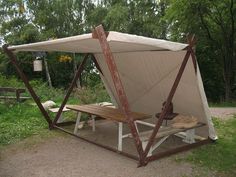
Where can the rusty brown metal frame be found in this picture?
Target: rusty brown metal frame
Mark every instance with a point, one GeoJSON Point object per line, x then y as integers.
{"type": "Point", "coordinates": [101, 35]}
{"type": "Point", "coordinates": [73, 83]}
{"type": "Point", "coordinates": [51, 123]}
{"type": "Point", "coordinates": [169, 98]}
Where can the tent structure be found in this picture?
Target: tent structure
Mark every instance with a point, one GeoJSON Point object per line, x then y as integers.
{"type": "Point", "coordinates": [139, 74]}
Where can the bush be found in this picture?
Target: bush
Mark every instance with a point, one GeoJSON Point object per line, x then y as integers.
{"type": "Point", "coordinates": [88, 95]}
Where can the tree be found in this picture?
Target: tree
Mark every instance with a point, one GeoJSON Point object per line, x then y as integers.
{"type": "Point", "coordinates": [214, 24]}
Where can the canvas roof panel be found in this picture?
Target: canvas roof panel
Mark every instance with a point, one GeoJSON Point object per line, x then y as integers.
{"type": "Point", "coordinates": [119, 42]}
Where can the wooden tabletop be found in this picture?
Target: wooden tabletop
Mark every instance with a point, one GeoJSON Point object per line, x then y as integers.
{"type": "Point", "coordinates": [107, 112]}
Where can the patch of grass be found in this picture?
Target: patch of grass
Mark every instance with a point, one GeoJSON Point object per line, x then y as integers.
{"type": "Point", "coordinates": [21, 120]}
{"type": "Point", "coordinates": [223, 104]}
{"type": "Point", "coordinates": [18, 121]}
{"type": "Point", "coordinates": [220, 156]}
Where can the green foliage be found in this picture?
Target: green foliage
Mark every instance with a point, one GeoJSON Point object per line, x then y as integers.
{"type": "Point", "coordinates": [213, 22]}
{"type": "Point", "coordinates": [221, 155]}
{"type": "Point", "coordinates": [18, 121]}
{"type": "Point", "coordinates": [95, 94]}
{"type": "Point", "coordinates": [223, 104]}
{"type": "Point", "coordinates": [21, 120]}
{"type": "Point", "coordinates": [10, 82]}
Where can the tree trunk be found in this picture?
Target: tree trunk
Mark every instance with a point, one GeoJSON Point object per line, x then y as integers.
{"type": "Point", "coordinates": [47, 73]}
{"type": "Point", "coordinates": [78, 85]}
{"type": "Point", "coordinates": [228, 92]}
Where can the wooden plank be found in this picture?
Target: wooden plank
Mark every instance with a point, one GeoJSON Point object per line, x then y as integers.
{"type": "Point", "coordinates": [14, 97]}
{"type": "Point", "coordinates": [106, 112]}
{"type": "Point", "coordinates": [165, 131]}
{"type": "Point", "coordinates": [100, 113]}
{"type": "Point", "coordinates": [136, 115]}
{"type": "Point", "coordinates": [55, 110]}
{"type": "Point", "coordinates": [11, 89]}
{"type": "Point", "coordinates": [111, 112]}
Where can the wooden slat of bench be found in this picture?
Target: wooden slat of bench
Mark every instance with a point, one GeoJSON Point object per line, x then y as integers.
{"type": "Point", "coordinates": [14, 97]}
{"type": "Point", "coordinates": [165, 131]}
{"type": "Point", "coordinates": [11, 89]}
{"type": "Point", "coordinates": [106, 112]}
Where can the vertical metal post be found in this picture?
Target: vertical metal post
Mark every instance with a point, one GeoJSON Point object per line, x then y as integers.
{"type": "Point", "coordinates": [73, 83]}
{"type": "Point", "coordinates": [100, 34]}
{"type": "Point", "coordinates": [169, 99]}
{"type": "Point", "coordinates": [13, 59]}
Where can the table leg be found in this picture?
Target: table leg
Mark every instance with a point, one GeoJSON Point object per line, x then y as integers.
{"type": "Point", "coordinates": [93, 122]}
{"type": "Point", "coordinates": [120, 134]}
{"type": "Point", "coordinates": [136, 126]}
{"type": "Point", "coordinates": [190, 136]}
{"type": "Point", "coordinates": [77, 123]}
{"type": "Point", "coordinates": [60, 120]}
{"type": "Point", "coordinates": [144, 144]}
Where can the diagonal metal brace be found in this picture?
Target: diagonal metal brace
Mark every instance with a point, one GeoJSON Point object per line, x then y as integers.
{"type": "Point", "coordinates": [13, 59]}
{"type": "Point", "coordinates": [73, 83]}
{"type": "Point", "coordinates": [168, 101]}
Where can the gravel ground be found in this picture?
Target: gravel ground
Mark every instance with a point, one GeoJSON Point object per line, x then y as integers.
{"type": "Point", "coordinates": [62, 156]}
{"type": "Point", "coordinates": [223, 113]}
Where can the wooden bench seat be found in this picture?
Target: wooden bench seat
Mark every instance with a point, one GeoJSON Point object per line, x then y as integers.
{"type": "Point", "coordinates": [16, 91]}
{"type": "Point", "coordinates": [165, 131]}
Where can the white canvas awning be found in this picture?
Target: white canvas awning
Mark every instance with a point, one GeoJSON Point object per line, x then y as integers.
{"type": "Point", "coordinates": [147, 68]}
{"type": "Point", "coordinates": [119, 42]}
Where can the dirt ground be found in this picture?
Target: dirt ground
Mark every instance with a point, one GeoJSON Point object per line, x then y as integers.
{"type": "Point", "coordinates": [62, 155]}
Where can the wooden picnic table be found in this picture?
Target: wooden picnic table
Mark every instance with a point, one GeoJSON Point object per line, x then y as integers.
{"type": "Point", "coordinates": [108, 113]}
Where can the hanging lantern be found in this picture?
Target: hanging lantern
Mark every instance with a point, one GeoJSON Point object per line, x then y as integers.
{"type": "Point", "coordinates": [38, 65]}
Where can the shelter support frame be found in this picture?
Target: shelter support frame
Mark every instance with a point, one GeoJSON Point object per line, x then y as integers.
{"type": "Point", "coordinates": [100, 34]}
{"type": "Point", "coordinates": [143, 157]}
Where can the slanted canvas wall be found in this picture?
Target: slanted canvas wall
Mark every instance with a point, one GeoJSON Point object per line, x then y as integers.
{"type": "Point", "coordinates": [147, 78]}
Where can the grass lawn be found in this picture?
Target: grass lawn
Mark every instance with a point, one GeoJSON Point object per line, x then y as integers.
{"type": "Point", "coordinates": [223, 104]}
{"type": "Point", "coordinates": [18, 121]}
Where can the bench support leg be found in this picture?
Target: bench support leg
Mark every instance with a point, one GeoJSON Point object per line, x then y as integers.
{"type": "Point", "coordinates": [190, 136]}
{"type": "Point", "coordinates": [77, 123]}
{"type": "Point", "coordinates": [93, 122]}
{"type": "Point", "coordinates": [144, 144]}
{"type": "Point", "coordinates": [60, 120]}
{"type": "Point", "coordinates": [120, 134]}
